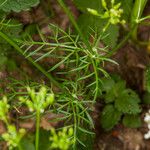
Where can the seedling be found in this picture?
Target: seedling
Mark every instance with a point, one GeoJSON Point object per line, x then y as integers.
{"type": "Point", "coordinates": [120, 101]}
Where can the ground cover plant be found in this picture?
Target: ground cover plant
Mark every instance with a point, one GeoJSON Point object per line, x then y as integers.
{"type": "Point", "coordinates": [74, 74]}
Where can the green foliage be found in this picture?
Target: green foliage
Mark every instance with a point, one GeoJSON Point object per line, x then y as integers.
{"type": "Point", "coordinates": [111, 36]}
{"type": "Point", "coordinates": [4, 108]}
{"type": "Point", "coordinates": [88, 22]}
{"type": "Point", "coordinates": [26, 144]}
{"type": "Point", "coordinates": [127, 102]}
{"type": "Point", "coordinates": [73, 108]}
{"type": "Point", "coordinates": [78, 67]}
{"type": "Point", "coordinates": [84, 4]}
{"type": "Point", "coordinates": [110, 117]}
{"type": "Point", "coordinates": [132, 121]}
{"type": "Point", "coordinates": [13, 29]}
{"type": "Point", "coordinates": [39, 102]}
{"type": "Point", "coordinates": [74, 105]}
{"type": "Point", "coordinates": [127, 6]}
{"type": "Point", "coordinates": [119, 101]}
{"type": "Point", "coordinates": [17, 5]}
{"type": "Point", "coordinates": [76, 58]}
{"type": "Point", "coordinates": [44, 140]}
{"type": "Point", "coordinates": [113, 14]}
{"type": "Point", "coordinates": [61, 140]}
{"type": "Point", "coordinates": [11, 136]}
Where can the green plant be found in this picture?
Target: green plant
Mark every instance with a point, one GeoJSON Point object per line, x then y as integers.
{"type": "Point", "coordinates": [74, 106]}
{"type": "Point", "coordinates": [17, 6]}
{"type": "Point", "coordinates": [97, 23]}
{"type": "Point", "coordinates": [13, 28]}
{"type": "Point", "coordinates": [61, 140]}
{"type": "Point", "coordinates": [113, 14]}
{"type": "Point", "coordinates": [136, 15]}
{"type": "Point", "coordinates": [11, 136]}
{"type": "Point", "coordinates": [77, 70]}
{"type": "Point", "coordinates": [76, 58]}
{"type": "Point", "coordinates": [120, 101]}
{"type": "Point", "coordinates": [38, 102]}
{"type": "Point", "coordinates": [4, 107]}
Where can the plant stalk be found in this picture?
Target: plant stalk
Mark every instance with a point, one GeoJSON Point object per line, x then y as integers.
{"type": "Point", "coordinates": [136, 14]}
{"type": "Point", "coordinates": [37, 130]}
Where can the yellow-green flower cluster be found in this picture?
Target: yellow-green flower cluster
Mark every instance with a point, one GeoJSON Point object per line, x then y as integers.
{"type": "Point", "coordinates": [62, 140]}
{"type": "Point", "coordinates": [38, 101]}
{"type": "Point", "coordinates": [4, 107]}
{"type": "Point", "coordinates": [13, 137]}
{"type": "Point", "coordinates": [113, 14]}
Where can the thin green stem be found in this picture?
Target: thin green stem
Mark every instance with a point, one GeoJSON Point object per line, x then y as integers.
{"type": "Point", "coordinates": [37, 130]}
{"type": "Point", "coordinates": [142, 19]}
{"type": "Point", "coordinates": [136, 14]}
{"type": "Point", "coordinates": [75, 124]}
{"type": "Point", "coordinates": [18, 49]}
{"type": "Point", "coordinates": [97, 80]}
